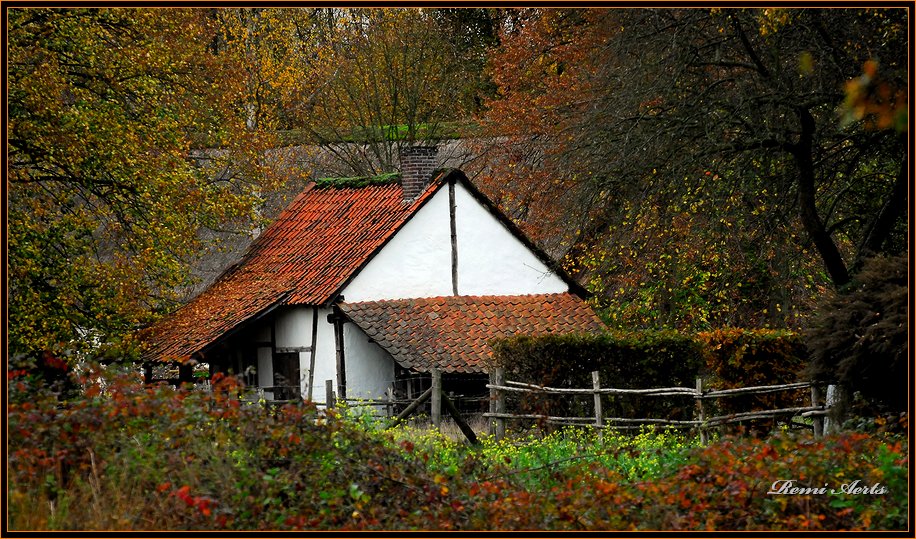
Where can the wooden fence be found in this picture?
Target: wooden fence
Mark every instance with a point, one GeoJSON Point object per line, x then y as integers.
{"type": "Point", "coordinates": [434, 394]}
{"type": "Point", "coordinates": [499, 387]}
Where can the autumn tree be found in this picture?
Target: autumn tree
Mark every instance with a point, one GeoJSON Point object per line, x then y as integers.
{"type": "Point", "coordinates": [278, 50]}
{"type": "Point", "coordinates": [695, 146]}
{"type": "Point", "coordinates": [105, 197]}
{"type": "Point", "coordinates": [388, 77]}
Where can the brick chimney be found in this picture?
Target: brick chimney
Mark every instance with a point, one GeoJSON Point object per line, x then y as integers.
{"type": "Point", "coordinates": [417, 166]}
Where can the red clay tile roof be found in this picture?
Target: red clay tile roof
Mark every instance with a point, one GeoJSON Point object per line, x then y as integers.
{"type": "Point", "coordinates": [452, 332]}
{"type": "Point", "coordinates": [305, 257]}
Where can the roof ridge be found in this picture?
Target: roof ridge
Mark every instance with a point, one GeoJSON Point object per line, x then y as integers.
{"type": "Point", "coordinates": [357, 182]}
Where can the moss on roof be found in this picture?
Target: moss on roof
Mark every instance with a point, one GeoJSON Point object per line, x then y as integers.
{"type": "Point", "coordinates": [357, 181]}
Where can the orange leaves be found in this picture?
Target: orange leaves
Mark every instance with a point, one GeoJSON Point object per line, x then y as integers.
{"type": "Point", "coordinates": [203, 504]}
{"type": "Point", "coordinates": [188, 469]}
{"type": "Point", "coordinates": [879, 102]}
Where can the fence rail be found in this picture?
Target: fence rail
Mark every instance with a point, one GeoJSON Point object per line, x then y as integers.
{"type": "Point", "coordinates": [499, 387]}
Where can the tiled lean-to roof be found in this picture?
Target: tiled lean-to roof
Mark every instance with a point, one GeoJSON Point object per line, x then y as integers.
{"type": "Point", "coordinates": [452, 332]}
{"type": "Point", "coordinates": [305, 257]}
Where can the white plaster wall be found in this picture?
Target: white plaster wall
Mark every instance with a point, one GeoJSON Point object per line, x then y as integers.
{"type": "Point", "coordinates": [491, 260]}
{"type": "Point", "coordinates": [370, 369]}
{"type": "Point", "coordinates": [416, 263]}
{"type": "Point", "coordinates": [325, 357]}
{"type": "Point", "coordinates": [265, 369]}
{"type": "Point", "coordinates": [294, 327]}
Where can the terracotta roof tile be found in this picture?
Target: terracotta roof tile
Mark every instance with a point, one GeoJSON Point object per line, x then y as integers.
{"type": "Point", "coordinates": [452, 332]}
{"type": "Point", "coordinates": [313, 248]}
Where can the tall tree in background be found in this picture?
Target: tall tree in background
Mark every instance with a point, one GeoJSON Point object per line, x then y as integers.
{"type": "Point", "coordinates": [278, 50]}
{"type": "Point", "coordinates": [105, 202]}
{"type": "Point", "coordinates": [388, 77]}
{"type": "Point", "coordinates": [702, 157]}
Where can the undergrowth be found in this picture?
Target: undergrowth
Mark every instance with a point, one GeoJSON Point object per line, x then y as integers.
{"type": "Point", "coordinates": [120, 455]}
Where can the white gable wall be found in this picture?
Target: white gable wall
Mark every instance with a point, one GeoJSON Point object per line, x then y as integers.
{"type": "Point", "coordinates": [491, 260]}
{"type": "Point", "coordinates": [417, 262]}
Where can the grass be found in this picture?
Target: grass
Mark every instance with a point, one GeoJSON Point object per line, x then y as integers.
{"type": "Point", "coordinates": [440, 131]}
{"type": "Point", "coordinates": [534, 457]}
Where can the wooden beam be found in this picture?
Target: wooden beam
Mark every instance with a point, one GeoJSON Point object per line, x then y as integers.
{"type": "Point", "coordinates": [329, 396]}
{"type": "Point", "coordinates": [413, 406]}
{"type": "Point", "coordinates": [292, 349]}
{"type": "Point", "coordinates": [312, 351]}
{"type": "Point", "coordinates": [454, 235]}
{"type": "Point", "coordinates": [462, 424]}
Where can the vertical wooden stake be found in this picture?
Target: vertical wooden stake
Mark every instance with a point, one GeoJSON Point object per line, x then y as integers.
{"type": "Point", "coordinates": [435, 411]}
{"type": "Point", "coordinates": [818, 421]}
{"type": "Point", "coordinates": [329, 393]}
{"type": "Point", "coordinates": [491, 423]}
{"type": "Point", "coordinates": [704, 439]}
{"type": "Point", "coordinates": [830, 401]}
{"type": "Point", "coordinates": [500, 407]}
{"type": "Point", "coordinates": [389, 396]}
{"type": "Point", "coordinates": [599, 417]}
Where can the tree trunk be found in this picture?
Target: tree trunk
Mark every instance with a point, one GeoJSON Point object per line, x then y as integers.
{"type": "Point", "coordinates": [802, 152]}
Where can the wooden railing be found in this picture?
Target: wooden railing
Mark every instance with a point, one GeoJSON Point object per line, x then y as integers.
{"type": "Point", "coordinates": [499, 387]}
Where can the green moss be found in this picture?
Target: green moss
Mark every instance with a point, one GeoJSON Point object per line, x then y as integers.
{"type": "Point", "coordinates": [357, 181]}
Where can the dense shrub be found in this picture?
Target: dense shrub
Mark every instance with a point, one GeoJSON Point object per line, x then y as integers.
{"type": "Point", "coordinates": [128, 457]}
{"type": "Point", "coordinates": [721, 487]}
{"type": "Point", "coordinates": [859, 337]}
{"type": "Point", "coordinates": [623, 360]}
{"type": "Point", "coordinates": [726, 358]}
{"type": "Point", "coordinates": [746, 357]}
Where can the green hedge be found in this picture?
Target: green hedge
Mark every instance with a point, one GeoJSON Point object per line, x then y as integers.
{"type": "Point", "coordinates": [726, 358]}
{"type": "Point", "coordinates": [623, 360]}
{"type": "Point", "coordinates": [744, 357]}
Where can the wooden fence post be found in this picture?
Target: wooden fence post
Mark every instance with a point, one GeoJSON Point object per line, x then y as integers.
{"type": "Point", "coordinates": [389, 396]}
{"type": "Point", "coordinates": [329, 396]}
{"type": "Point", "coordinates": [704, 439]}
{"type": "Point", "coordinates": [817, 421]}
{"type": "Point", "coordinates": [491, 422]}
{"type": "Point", "coordinates": [599, 417]}
{"type": "Point", "coordinates": [829, 402]}
{"type": "Point", "coordinates": [498, 403]}
{"type": "Point", "coordinates": [435, 411]}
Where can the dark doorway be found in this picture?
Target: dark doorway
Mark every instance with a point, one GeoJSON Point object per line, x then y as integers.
{"type": "Point", "coordinates": [286, 376]}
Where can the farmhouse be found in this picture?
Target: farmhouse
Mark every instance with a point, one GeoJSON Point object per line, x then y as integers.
{"type": "Point", "coordinates": [372, 283]}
